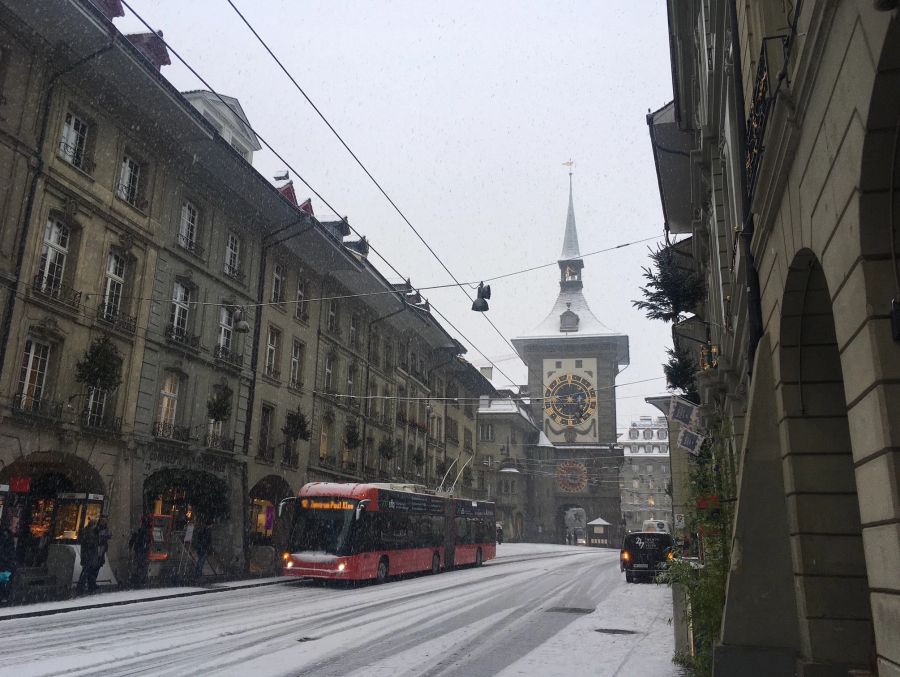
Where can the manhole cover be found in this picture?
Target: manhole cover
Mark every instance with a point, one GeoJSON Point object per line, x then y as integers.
{"type": "Point", "coordinates": [306, 639]}
{"type": "Point", "coordinates": [616, 631]}
{"type": "Point", "coordinates": [570, 610]}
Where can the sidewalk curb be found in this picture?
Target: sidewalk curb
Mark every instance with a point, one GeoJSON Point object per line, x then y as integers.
{"type": "Point", "coordinates": [102, 605]}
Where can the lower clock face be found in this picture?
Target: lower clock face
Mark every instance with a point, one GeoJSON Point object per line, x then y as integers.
{"type": "Point", "coordinates": [570, 400]}
{"type": "Point", "coordinates": [572, 476]}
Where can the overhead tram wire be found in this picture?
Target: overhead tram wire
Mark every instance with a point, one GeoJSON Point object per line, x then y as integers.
{"type": "Point", "coordinates": [365, 169]}
{"type": "Point", "coordinates": [314, 191]}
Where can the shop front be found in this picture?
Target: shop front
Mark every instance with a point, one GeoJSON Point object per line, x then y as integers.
{"type": "Point", "coordinates": [48, 499]}
{"type": "Point", "coordinates": [264, 499]}
{"type": "Point", "coordinates": [177, 504]}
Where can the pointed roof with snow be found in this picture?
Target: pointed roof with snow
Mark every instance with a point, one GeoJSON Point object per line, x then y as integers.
{"type": "Point", "coordinates": [571, 317]}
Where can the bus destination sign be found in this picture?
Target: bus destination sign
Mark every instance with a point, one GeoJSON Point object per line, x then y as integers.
{"type": "Point", "coordinates": [327, 504]}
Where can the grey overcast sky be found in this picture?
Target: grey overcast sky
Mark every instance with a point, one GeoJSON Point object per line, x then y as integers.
{"type": "Point", "coordinates": [464, 112]}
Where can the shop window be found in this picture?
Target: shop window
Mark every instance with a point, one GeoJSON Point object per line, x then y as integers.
{"type": "Point", "coordinates": [262, 519]}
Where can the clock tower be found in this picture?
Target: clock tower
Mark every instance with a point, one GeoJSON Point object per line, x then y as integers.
{"type": "Point", "coordinates": [573, 360]}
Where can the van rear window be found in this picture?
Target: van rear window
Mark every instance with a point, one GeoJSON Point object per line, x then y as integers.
{"type": "Point", "coordinates": [648, 541]}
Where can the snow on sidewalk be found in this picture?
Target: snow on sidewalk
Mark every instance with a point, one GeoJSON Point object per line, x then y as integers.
{"type": "Point", "coordinates": [642, 611]}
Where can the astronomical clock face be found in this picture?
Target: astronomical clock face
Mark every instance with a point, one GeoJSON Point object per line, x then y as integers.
{"type": "Point", "coordinates": [571, 476]}
{"type": "Point", "coordinates": [570, 400]}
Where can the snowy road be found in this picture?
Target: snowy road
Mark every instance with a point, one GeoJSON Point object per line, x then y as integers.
{"type": "Point", "coordinates": [536, 610]}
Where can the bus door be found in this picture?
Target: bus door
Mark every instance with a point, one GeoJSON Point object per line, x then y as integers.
{"type": "Point", "coordinates": [450, 533]}
{"type": "Point", "coordinates": [284, 524]}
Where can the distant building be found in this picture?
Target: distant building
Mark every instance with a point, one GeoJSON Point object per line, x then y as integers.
{"type": "Point", "coordinates": [645, 475]}
{"type": "Point", "coordinates": [228, 118]}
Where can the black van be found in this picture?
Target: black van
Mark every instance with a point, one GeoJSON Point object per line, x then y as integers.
{"type": "Point", "coordinates": [646, 554]}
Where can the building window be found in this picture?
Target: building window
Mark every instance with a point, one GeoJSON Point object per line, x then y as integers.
{"type": "Point", "coordinates": [578, 364]}
{"type": "Point", "coordinates": [633, 434]}
{"type": "Point", "coordinates": [635, 468]}
{"type": "Point", "coordinates": [324, 440]}
{"type": "Point", "coordinates": [649, 468]}
{"type": "Point", "coordinates": [266, 451]}
{"type": "Point", "coordinates": [642, 449]}
{"type": "Point", "coordinates": [73, 143]}
{"type": "Point", "coordinates": [115, 286]}
{"type": "Point", "coordinates": [233, 256]}
{"type": "Point", "coordinates": [273, 342]}
{"type": "Point", "coordinates": [648, 434]}
{"type": "Point", "coordinates": [96, 407]}
{"type": "Point", "coordinates": [302, 310]}
{"type": "Point", "coordinates": [226, 327]}
{"type": "Point", "coordinates": [354, 330]}
{"type": "Point", "coordinates": [278, 284]}
{"type": "Point", "coordinates": [297, 352]}
{"type": "Point", "coordinates": [486, 432]}
{"type": "Point", "coordinates": [129, 181]}
{"type": "Point", "coordinates": [467, 440]}
{"type": "Point", "coordinates": [655, 449]}
{"type": "Point", "coordinates": [662, 434]}
{"type": "Point", "coordinates": [187, 226]}
{"type": "Point", "coordinates": [181, 299]}
{"type": "Point", "coordinates": [168, 399]}
{"type": "Point", "coordinates": [329, 373]}
{"type": "Point", "coordinates": [331, 323]}
{"type": "Point", "coordinates": [53, 257]}
{"type": "Point", "coordinates": [351, 379]}
{"type": "Point", "coordinates": [665, 448]}
{"type": "Point", "coordinates": [33, 375]}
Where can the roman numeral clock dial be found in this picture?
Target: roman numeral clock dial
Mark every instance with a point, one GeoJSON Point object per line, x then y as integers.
{"type": "Point", "coordinates": [570, 400]}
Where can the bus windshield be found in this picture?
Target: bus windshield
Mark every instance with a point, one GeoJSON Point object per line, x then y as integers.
{"type": "Point", "coordinates": [324, 525]}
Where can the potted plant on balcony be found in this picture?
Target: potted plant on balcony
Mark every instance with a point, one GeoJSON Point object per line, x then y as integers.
{"type": "Point", "coordinates": [218, 407]}
{"type": "Point", "coordinates": [671, 290]}
{"type": "Point", "coordinates": [680, 371]}
{"type": "Point", "coordinates": [99, 370]}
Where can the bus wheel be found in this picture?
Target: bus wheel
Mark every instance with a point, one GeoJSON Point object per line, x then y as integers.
{"type": "Point", "coordinates": [478, 558]}
{"type": "Point", "coordinates": [382, 573]}
{"type": "Point", "coordinates": [436, 564]}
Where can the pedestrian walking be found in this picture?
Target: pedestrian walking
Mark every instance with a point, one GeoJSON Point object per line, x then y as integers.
{"type": "Point", "coordinates": [499, 534]}
{"type": "Point", "coordinates": [94, 543]}
{"type": "Point", "coordinates": [7, 562]}
{"type": "Point", "coordinates": [139, 544]}
{"type": "Point", "coordinates": [202, 542]}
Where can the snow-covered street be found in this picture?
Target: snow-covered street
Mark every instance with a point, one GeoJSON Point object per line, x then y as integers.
{"type": "Point", "coordinates": [535, 610]}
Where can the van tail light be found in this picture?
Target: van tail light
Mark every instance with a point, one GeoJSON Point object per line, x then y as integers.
{"type": "Point", "coordinates": [625, 555]}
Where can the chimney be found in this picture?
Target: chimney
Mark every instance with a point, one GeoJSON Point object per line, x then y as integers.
{"type": "Point", "coordinates": [110, 8]}
{"type": "Point", "coordinates": [152, 47]}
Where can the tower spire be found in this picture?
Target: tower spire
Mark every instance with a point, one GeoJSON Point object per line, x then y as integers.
{"type": "Point", "coordinates": [570, 248]}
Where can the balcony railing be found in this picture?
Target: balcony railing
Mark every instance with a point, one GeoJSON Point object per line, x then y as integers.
{"type": "Point", "coordinates": [76, 157]}
{"type": "Point", "coordinates": [234, 272]}
{"type": "Point", "coordinates": [266, 452]}
{"type": "Point", "coordinates": [271, 372]}
{"type": "Point", "coordinates": [180, 336]}
{"type": "Point", "coordinates": [101, 424]}
{"type": "Point", "coordinates": [218, 441]}
{"type": "Point", "coordinates": [55, 290]}
{"type": "Point", "coordinates": [291, 459]}
{"type": "Point", "coordinates": [170, 431]}
{"type": "Point", "coordinates": [37, 408]}
{"type": "Point", "coordinates": [228, 356]}
{"type": "Point", "coordinates": [110, 315]}
{"type": "Point", "coordinates": [760, 105]}
{"type": "Point", "coordinates": [190, 245]}
{"type": "Point", "coordinates": [296, 385]}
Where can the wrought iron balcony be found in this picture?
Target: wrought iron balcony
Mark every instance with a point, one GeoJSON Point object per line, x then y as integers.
{"type": "Point", "coordinates": [53, 288]}
{"type": "Point", "coordinates": [111, 425]}
{"type": "Point", "coordinates": [219, 441]}
{"type": "Point", "coordinates": [170, 431]}
{"type": "Point", "coordinates": [265, 452]}
{"type": "Point", "coordinates": [179, 336]}
{"type": "Point", "coordinates": [271, 372]}
{"type": "Point", "coordinates": [228, 356]}
{"type": "Point", "coordinates": [190, 245]}
{"type": "Point", "coordinates": [234, 272]}
{"type": "Point", "coordinates": [40, 408]}
{"type": "Point", "coordinates": [296, 385]}
{"type": "Point", "coordinates": [77, 157]}
{"type": "Point", "coordinates": [760, 105]}
{"type": "Point", "coordinates": [110, 315]}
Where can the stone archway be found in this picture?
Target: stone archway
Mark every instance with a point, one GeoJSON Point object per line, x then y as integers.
{"type": "Point", "coordinates": [830, 578]}
{"type": "Point", "coordinates": [265, 539]}
{"type": "Point", "coordinates": [47, 504]}
{"type": "Point", "coordinates": [572, 522]}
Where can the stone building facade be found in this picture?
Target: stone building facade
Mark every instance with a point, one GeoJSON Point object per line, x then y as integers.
{"type": "Point", "coordinates": [645, 479]}
{"type": "Point", "coordinates": [776, 158]}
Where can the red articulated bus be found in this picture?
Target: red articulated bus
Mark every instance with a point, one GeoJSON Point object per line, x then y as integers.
{"type": "Point", "coordinates": [372, 531]}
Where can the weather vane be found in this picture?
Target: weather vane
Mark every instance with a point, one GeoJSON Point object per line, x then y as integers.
{"type": "Point", "coordinates": [570, 164]}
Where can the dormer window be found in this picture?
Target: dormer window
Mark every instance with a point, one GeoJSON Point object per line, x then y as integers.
{"type": "Point", "coordinates": [568, 321]}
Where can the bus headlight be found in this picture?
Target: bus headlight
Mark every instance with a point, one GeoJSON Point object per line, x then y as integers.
{"type": "Point", "coordinates": [341, 566]}
{"type": "Point", "coordinates": [290, 564]}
